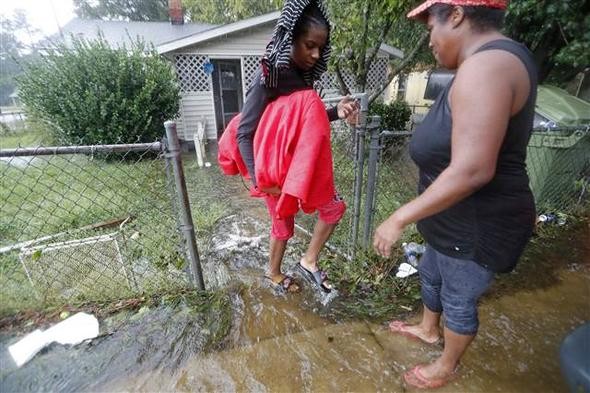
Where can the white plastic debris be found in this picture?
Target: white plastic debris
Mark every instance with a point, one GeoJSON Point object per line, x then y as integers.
{"type": "Point", "coordinates": [405, 270]}
{"type": "Point", "coordinates": [71, 331]}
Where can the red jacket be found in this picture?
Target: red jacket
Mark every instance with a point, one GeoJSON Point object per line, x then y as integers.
{"type": "Point", "coordinates": [291, 150]}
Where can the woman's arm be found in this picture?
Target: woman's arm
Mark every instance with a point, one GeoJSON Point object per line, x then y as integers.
{"type": "Point", "coordinates": [481, 101]}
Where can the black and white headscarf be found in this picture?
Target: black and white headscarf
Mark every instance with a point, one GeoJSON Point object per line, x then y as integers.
{"type": "Point", "coordinates": [278, 51]}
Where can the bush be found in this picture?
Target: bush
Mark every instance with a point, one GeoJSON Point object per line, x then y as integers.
{"type": "Point", "coordinates": [394, 116]}
{"type": "Point", "coordinates": [93, 94]}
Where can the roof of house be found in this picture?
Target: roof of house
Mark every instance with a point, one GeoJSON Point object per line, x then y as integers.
{"type": "Point", "coordinates": [122, 33]}
{"type": "Point", "coordinates": [232, 28]}
{"type": "Point", "coordinates": [219, 31]}
{"type": "Point", "coordinates": [167, 37]}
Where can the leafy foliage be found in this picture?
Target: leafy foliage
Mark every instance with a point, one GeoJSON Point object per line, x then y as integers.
{"type": "Point", "coordinates": [361, 26]}
{"type": "Point", "coordinates": [136, 10]}
{"type": "Point", "coordinates": [13, 50]}
{"type": "Point", "coordinates": [394, 116]}
{"type": "Point", "coordinates": [226, 11]}
{"type": "Point", "coordinates": [93, 94]}
{"type": "Point", "coordinates": [556, 32]}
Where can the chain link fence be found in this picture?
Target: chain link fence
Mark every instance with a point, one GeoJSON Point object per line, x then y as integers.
{"type": "Point", "coordinates": [101, 223]}
{"type": "Point", "coordinates": [90, 223]}
{"type": "Point", "coordinates": [375, 175]}
{"type": "Point", "coordinates": [558, 163]}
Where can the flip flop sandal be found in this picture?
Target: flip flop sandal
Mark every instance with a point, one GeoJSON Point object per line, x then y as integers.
{"type": "Point", "coordinates": [318, 277]}
{"type": "Point", "coordinates": [284, 283]}
{"type": "Point", "coordinates": [416, 379]}
{"type": "Point", "coordinates": [399, 327]}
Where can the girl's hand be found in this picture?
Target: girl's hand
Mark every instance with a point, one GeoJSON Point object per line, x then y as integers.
{"type": "Point", "coordinates": [348, 109]}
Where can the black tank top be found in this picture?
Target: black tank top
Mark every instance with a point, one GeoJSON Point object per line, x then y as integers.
{"type": "Point", "coordinates": [493, 225]}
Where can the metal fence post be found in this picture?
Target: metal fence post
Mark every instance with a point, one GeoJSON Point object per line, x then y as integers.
{"type": "Point", "coordinates": [360, 132]}
{"type": "Point", "coordinates": [186, 219]}
{"type": "Point", "coordinates": [374, 129]}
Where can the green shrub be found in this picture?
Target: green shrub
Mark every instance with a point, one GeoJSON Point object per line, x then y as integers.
{"type": "Point", "coordinates": [394, 116]}
{"type": "Point", "coordinates": [94, 94]}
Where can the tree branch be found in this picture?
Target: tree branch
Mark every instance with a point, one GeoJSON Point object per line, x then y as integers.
{"type": "Point", "coordinates": [407, 60]}
{"type": "Point", "coordinates": [375, 51]}
{"type": "Point", "coordinates": [362, 61]}
{"type": "Point", "coordinates": [344, 90]}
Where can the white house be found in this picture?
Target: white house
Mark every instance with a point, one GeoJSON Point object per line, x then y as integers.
{"type": "Point", "coordinates": [214, 64]}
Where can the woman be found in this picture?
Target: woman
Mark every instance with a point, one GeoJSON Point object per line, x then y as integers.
{"type": "Point", "coordinates": [475, 209]}
{"type": "Point", "coordinates": [295, 58]}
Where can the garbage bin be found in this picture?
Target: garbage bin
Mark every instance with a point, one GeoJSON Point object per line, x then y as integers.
{"type": "Point", "coordinates": [558, 163]}
{"type": "Point", "coordinates": [575, 360]}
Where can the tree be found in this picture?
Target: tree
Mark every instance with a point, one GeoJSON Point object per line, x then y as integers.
{"type": "Point", "coordinates": [361, 26]}
{"type": "Point", "coordinates": [557, 33]}
{"type": "Point", "coordinates": [226, 11]}
{"type": "Point", "coordinates": [135, 10]}
{"type": "Point", "coordinates": [13, 51]}
{"type": "Point", "coordinates": [94, 94]}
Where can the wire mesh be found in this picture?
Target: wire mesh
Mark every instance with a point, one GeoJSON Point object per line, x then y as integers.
{"type": "Point", "coordinates": [558, 162]}
{"type": "Point", "coordinates": [397, 177]}
{"type": "Point", "coordinates": [86, 227]}
{"type": "Point", "coordinates": [344, 162]}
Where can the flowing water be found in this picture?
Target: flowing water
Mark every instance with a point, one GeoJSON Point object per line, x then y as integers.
{"type": "Point", "coordinates": [284, 343]}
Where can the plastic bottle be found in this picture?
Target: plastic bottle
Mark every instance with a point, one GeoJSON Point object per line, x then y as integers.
{"type": "Point", "coordinates": [412, 251]}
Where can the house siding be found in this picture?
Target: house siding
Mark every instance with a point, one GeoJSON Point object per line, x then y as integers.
{"type": "Point", "coordinates": [198, 105]}
{"type": "Point", "coordinates": [195, 107]}
{"type": "Point", "coordinates": [251, 42]}
{"type": "Point", "coordinates": [247, 46]}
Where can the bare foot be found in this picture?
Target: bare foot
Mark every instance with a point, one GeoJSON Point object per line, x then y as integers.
{"type": "Point", "coordinates": [427, 335]}
{"type": "Point", "coordinates": [437, 370]}
{"type": "Point", "coordinates": [430, 376]}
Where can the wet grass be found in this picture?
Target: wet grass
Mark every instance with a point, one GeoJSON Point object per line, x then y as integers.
{"type": "Point", "coordinates": [213, 309]}
{"type": "Point", "coordinates": [30, 136]}
{"type": "Point", "coordinates": [61, 194]}
{"type": "Point", "coordinates": [552, 249]}
{"type": "Point", "coordinates": [368, 293]}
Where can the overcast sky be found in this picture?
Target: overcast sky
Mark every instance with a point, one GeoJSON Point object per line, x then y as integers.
{"type": "Point", "coordinates": [41, 14]}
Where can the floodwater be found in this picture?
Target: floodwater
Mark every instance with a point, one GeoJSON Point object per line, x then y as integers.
{"type": "Point", "coordinates": [285, 343]}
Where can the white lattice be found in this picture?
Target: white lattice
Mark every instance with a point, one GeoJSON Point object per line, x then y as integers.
{"type": "Point", "coordinates": [250, 66]}
{"type": "Point", "coordinates": [191, 73]}
{"type": "Point", "coordinates": [377, 74]}
{"type": "Point", "coordinates": [328, 81]}
{"type": "Point", "coordinates": [376, 77]}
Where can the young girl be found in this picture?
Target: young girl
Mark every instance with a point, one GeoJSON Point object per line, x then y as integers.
{"type": "Point", "coordinates": [295, 58]}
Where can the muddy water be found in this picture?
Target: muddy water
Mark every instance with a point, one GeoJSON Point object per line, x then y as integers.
{"type": "Point", "coordinates": [284, 343]}
{"type": "Point", "coordinates": [280, 344]}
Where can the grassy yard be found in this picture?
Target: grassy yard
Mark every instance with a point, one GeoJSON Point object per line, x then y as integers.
{"type": "Point", "coordinates": [31, 135]}
{"type": "Point", "coordinates": [61, 195]}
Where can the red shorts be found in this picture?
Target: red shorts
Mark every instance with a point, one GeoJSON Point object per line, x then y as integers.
{"type": "Point", "coordinates": [283, 229]}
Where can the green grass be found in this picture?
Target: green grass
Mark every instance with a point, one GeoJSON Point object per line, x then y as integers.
{"type": "Point", "coordinates": [31, 136]}
{"type": "Point", "coordinates": [24, 139]}
{"type": "Point", "coordinates": [60, 194]}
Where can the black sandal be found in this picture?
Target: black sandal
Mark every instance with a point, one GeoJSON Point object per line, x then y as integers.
{"type": "Point", "coordinates": [318, 277]}
{"type": "Point", "coordinates": [284, 282]}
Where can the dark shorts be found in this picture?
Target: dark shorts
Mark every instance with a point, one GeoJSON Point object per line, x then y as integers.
{"type": "Point", "coordinates": [453, 287]}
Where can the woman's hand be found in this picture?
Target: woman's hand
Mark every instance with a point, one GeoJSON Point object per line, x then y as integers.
{"type": "Point", "coordinates": [348, 109]}
{"type": "Point", "coordinates": [386, 235]}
